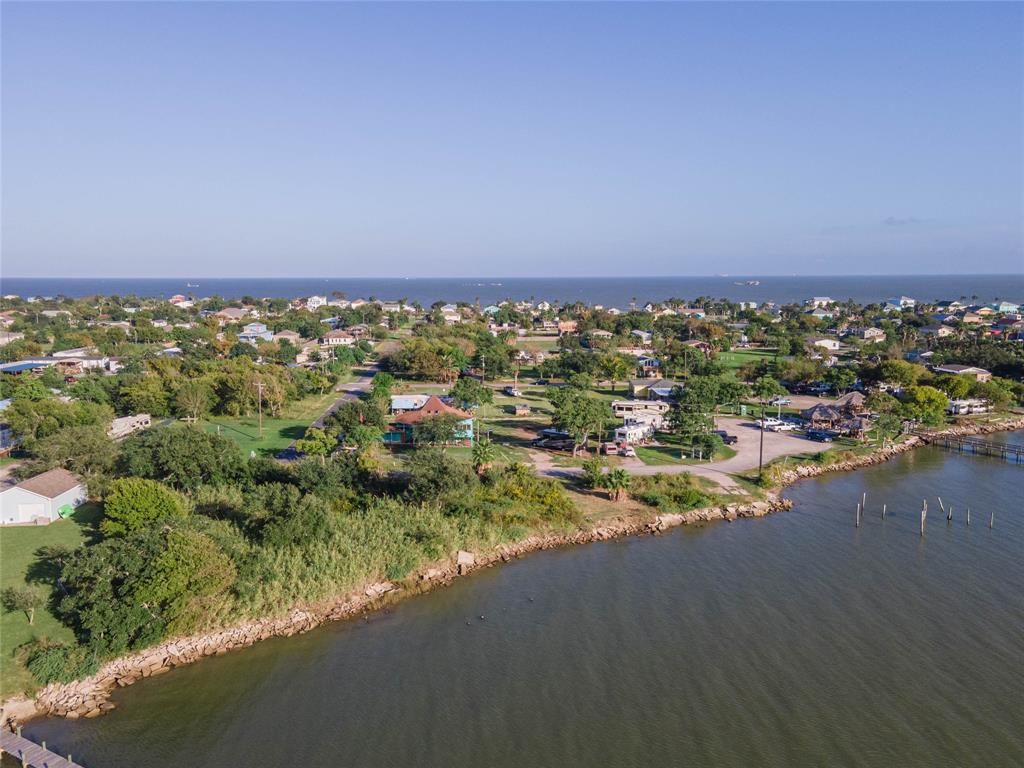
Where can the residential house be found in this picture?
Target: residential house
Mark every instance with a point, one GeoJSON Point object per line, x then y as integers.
{"type": "Point", "coordinates": [652, 389]}
{"type": "Point", "coordinates": [337, 338]}
{"type": "Point", "coordinates": [648, 366]}
{"type": "Point", "coordinates": [41, 499]}
{"type": "Point", "coordinates": [819, 301]}
{"type": "Point", "coordinates": [543, 306]}
{"type": "Point", "coordinates": [232, 315]}
{"type": "Point", "coordinates": [645, 336]}
{"type": "Point", "coordinates": [869, 335]}
{"type": "Point", "coordinates": [1005, 307]}
{"type": "Point", "coordinates": [313, 303]}
{"type": "Point", "coordinates": [820, 313]}
{"type": "Point", "coordinates": [938, 331]}
{"type": "Point", "coordinates": [832, 345]}
{"type": "Point", "coordinates": [290, 336]}
{"type": "Point", "coordinates": [980, 374]}
{"type": "Point", "coordinates": [567, 326]}
{"type": "Point", "coordinates": [6, 337]}
{"type": "Point", "coordinates": [402, 403]}
{"type": "Point", "coordinates": [694, 312]}
{"type": "Point", "coordinates": [898, 303]}
{"type": "Point", "coordinates": [254, 333]}
{"type": "Point", "coordinates": [971, 318]}
{"type": "Point", "coordinates": [402, 429]}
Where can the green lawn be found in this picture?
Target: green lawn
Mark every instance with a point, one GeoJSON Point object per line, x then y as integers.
{"type": "Point", "coordinates": [658, 455]}
{"type": "Point", "coordinates": [18, 545]}
{"type": "Point", "coordinates": [736, 358]}
{"type": "Point", "coordinates": [278, 433]}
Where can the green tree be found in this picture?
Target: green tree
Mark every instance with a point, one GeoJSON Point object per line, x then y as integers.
{"type": "Point", "coordinates": [381, 386]}
{"type": "Point", "coordinates": [955, 387]}
{"type": "Point", "coordinates": [134, 502]}
{"type": "Point", "coordinates": [578, 414]}
{"type": "Point", "coordinates": [616, 368]}
{"type": "Point", "coordinates": [85, 450]}
{"type": "Point", "coordinates": [193, 399]}
{"type": "Point", "coordinates": [470, 393]}
{"type": "Point", "coordinates": [185, 580]}
{"type": "Point", "coordinates": [146, 395]}
{"type": "Point", "coordinates": [437, 430]}
{"type": "Point", "coordinates": [840, 378]}
{"type": "Point", "coordinates": [184, 457]}
{"type": "Point", "coordinates": [925, 404]}
{"type": "Point", "coordinates": [483, 455]}
{"type": "Point", "coordinates": [22, 599]}
{"type": "Point", "coordinates": [316, 442]}
{"type": "Point", "coordinates": [617, 482]}
{"type": "Point", "coordinates": [593, 472]}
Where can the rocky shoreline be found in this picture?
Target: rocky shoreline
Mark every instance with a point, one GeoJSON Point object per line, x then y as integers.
{"type": "Point", "coordinates": [90, 697]}
{"type": "Point", "coordinates": [790, 476]}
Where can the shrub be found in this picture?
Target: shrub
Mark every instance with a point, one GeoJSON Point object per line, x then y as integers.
{"type": "Point", "coordinates": [669, 493]}
{"type": "Point", "coordinates": [50, 662]}
{"type": "Point", "coordinates": [134, 502]}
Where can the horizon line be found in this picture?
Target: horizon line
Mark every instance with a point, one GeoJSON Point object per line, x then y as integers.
{"type": "Point", "coordinates": [503, 277]}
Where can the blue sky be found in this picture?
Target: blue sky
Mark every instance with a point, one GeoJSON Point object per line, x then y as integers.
{"type": "Point", "coordinates": [259, 139]}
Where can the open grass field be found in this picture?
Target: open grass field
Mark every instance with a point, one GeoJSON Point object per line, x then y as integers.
{"type": "Point", "coordinates": [660, 455]}
{"type": "Point", "coordinates": [734, 359]}
{"type": "Point", "coordinates": [278, 433]}
{"type": "Point", "coordinates": [18, 545]}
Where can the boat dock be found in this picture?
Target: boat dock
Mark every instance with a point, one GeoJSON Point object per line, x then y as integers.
{"type": "Point", "coordinates": [32, 754]}
{"type": "Point", "coordinates": [963, 444]}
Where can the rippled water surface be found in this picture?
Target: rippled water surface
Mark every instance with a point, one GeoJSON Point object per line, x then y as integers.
{"type": "Point", "coordinates": [795, 640]}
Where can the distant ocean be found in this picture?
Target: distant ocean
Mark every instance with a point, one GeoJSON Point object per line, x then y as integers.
{"type": "Point", "coordinates": [609, 291]}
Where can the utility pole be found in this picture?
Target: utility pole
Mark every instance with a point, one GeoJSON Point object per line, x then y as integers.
{"type": "Point", "coordinates": [760, 452]}
{"type": "Point", "coordinates": [259, 405]}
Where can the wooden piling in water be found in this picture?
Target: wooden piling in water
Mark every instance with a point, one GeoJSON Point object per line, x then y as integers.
{"type": "Point", "coordinates": [883, 511]}
{"type": "Point", "coordinates": [941, 507]}
{"type": "Point", "coordinates": [949, 514]}
{"type": "Point", "coordinates": [924, 516]}
{"type": "Point", "coordinates": [968, 515]}
{"type": "Point", "coordinates": [991, 519]}
{"type": "Point", "coordinates": [857, 517]}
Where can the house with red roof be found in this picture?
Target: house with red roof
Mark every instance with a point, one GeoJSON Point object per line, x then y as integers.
{"type": "Point", "coordinates": [402, 429]}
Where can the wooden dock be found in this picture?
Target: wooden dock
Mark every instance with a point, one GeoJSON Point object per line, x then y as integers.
{"type": "Point", "coordinates": [974, 445]}
{"type": "Point", "coordinates": [32, 754]}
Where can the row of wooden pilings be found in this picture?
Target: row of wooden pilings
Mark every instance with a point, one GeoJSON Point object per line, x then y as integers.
{"type": "Point", "coordinates": [862, 506]}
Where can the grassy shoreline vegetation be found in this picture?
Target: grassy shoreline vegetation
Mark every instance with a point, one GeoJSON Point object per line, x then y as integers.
{"type": "Point", "coordinates": [199, 522]}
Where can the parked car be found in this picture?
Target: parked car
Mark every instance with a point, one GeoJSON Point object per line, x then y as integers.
{"type": "Point", "coordinates": [512, 392]}
{"type": "Point", "coordinates": [627, 450]}
{"type": "Point", "coordinates": [541, 383]}
{"type": "Point", "coordinates": [609, 449]}
{"type": "Point", "coordinates": [780, 401]}
{"type": "Point", "coordinates": [726, 437]}
{"type": "Point", "coordinates": [819, 435]}
{"type": "Point", "coordinates": [776, 425]}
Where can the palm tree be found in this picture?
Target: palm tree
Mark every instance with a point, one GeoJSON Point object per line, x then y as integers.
{"type": "Point", "coordinates": [617, 482]}
{"type": "Point", "coordinates": [483, 455]}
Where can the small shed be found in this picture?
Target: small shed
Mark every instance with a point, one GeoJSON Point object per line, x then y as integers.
{"type": "Point", "coordinates": [519, 409]}
{"type": "Point", "coordinates": [41, 499]}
